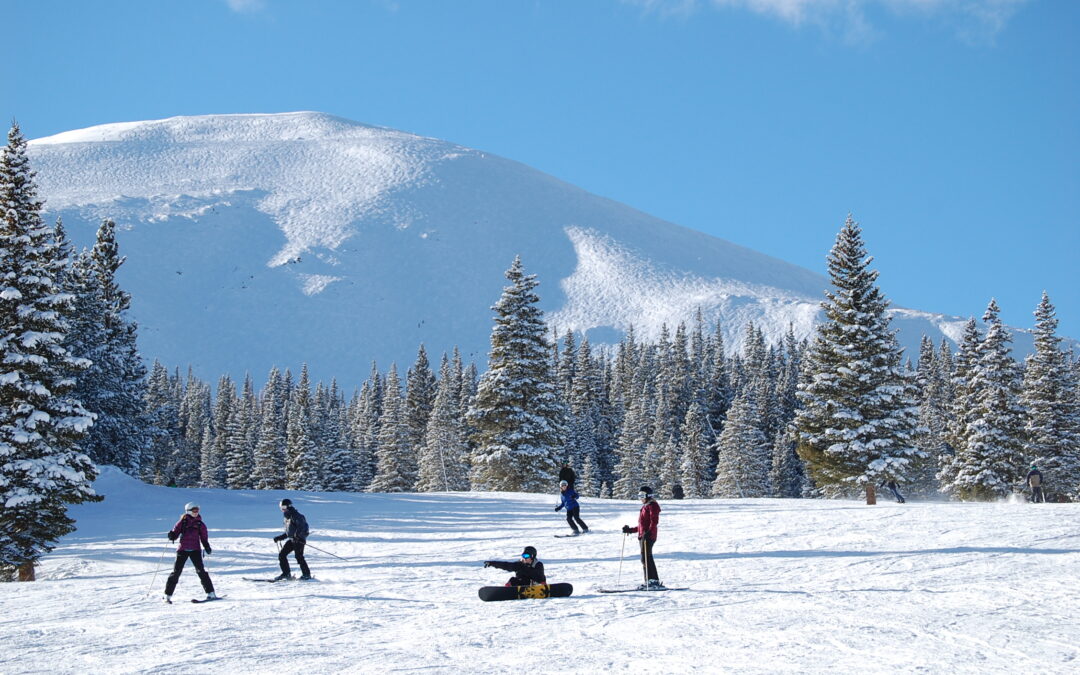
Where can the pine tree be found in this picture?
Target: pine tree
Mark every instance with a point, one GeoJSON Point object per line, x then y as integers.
{"type": "Point", "coordinates": [396, 471]}
{"type": "Point", "coordinates": [1052, 430]}
{"type": "Point", "coordinates": [339, 466]}
{"type": "Point", "coordinates": [42, 468]}
{"type": "Point", "coordinates": [242, 436]}
{"type": "Point", "coordinates": [269, 453]}
{"type": "Point", "coordinates": [517, 413]}
{"type": "Point", "coordinates": [162, 412]}
{"type": "Point", "coordinates": [989, 464]}
{"type": "Point", "coordinates": [419, 400]}
{"type": "Point", "coordinates": [443, 457]}
{"type": "Point", "coordinates": [694, 440]}
{"type": "Point", "coordinates": [858, 418]}
{"type": "Point", "coordinates": [301, 460]}
{"type": "Point", "coordinates": [743, 453]}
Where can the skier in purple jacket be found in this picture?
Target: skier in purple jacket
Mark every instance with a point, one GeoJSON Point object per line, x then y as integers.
{"type": "Point", "coordinates": [191, 531]}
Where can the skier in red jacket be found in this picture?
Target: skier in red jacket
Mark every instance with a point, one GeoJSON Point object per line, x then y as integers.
{"type": "Point", "coordinates": [648, 519]}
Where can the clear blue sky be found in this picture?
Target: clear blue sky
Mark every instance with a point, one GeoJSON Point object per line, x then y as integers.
{"type": "Point", "coordinates": [949, 128]}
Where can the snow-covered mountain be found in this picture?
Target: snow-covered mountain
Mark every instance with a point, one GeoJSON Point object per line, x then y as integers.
{"type": "Point", "coordinates": [255, 240]}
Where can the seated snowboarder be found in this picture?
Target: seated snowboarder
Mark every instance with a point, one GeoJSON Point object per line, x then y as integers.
{"type": "Point", "coordinates": [527, 571]}
{"type": "Point", "coordinates": [891, 484]}
{"type": "Point", "coordinates": [573, 509]}
{"type": "Point", "coordinates": [1034, 481]}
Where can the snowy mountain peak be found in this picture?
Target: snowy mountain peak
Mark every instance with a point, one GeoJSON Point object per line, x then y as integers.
{"type": "Point", "coordinates": [255, 240]}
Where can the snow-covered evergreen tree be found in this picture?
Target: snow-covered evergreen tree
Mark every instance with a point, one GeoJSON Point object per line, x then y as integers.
{"type": "Point", "coordinates": [444, 455]}
{"type": "Point", "coordinates": [301, 460]}
{"type": "Point", "coordinates": [1052, 429]}
{"type": "Point", "coordinates": [339, 468]}
{"type": "Point", "coordinates": [743, 452]}
{"type": "Point", "coordinates": [269, 453]}
{"type": "Point", "coordinates": [517, 414]}
{"type": "Point", "coordinates": [990, 463]}
{"type": "Point", "coordinates": [242, 436]}
{"type": "Point", "coordinates": [114, 385]}
{"type": "Point", "coordinates": [694, 440]}
{"type": "Point", "coordinates": [42, 468]}
{"type": "Point", "coordinates": [858, 419]}
{"type": "Point", "coordinates": [420, 387]}
{"type": "Point", "coordinates": [396, 471]}
{"type": "Point", "coordinates": [162, 413]}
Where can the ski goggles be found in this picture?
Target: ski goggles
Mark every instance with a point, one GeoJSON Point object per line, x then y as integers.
{"type": "Point", "coordinates": [526, 556]}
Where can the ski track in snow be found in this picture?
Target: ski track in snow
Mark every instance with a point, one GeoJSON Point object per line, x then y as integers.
{"type": "Point", "coordinates": [776, 586]}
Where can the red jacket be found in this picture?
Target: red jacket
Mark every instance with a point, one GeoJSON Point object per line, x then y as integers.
{"type": "Point", "coordinates": [190, 531]}
{"type": "Point", "coordinates": [647, 520]}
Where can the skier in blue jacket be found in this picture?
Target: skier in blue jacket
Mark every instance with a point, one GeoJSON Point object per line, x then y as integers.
{"type": "Point", "coordinates": [573, 509]}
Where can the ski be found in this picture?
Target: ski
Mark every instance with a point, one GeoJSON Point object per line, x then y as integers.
{"type": "Point", "coordinates": [564, 536]}
{"type": "Point", "coordinates": [267, 581]}
{"type": "Point", "coordinates": [199, 602]}
{"type": "Point", "coordinates": [642, 590]}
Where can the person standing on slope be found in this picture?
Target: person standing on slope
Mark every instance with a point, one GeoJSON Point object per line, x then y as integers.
{"type": "Point", "coordinates": [648, 520]}
{"type": "Point", "coordinates": [891, 484]}
{"type": "Point", "coordinates": [1034, 481]}
{"type": "Point", "coordinates": [573, 510]}
{"type": "Point", "coordinates": [527, 571]}
{"type": "Point", "coordinates": [295, 538]}
{"type": "Point", "coordinates": [191, 531]}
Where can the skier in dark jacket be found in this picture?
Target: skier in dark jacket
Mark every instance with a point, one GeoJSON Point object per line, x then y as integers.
{"type": "Point", "coordinates": [573, 510]}
{"type": "Point", "coordinates": [295, 538]}
{"type": "Point", "coordinates": [891, 484]}
{"type": "Point", "coordinates": [648, 520]}
{"type": "Point", "coordinates": [191, 532]}
{"type": "Point", "coordinates": [567, 474]}
{"type": "Point", "coordinates": [527, 571]}
{"type": "Point", "coordinates": [1034, 481]}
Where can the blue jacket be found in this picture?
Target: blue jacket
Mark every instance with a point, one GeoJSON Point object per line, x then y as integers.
{"type": "Point", "coordinates": [569, 499]}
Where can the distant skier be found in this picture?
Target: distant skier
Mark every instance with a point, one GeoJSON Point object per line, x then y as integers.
{"type": "Point", "coordinates": [573, 510]}
{"type": "Point", "coordinates": [295, 538]}
{"type": "Point", "coordinates": [1034, 481]}
{"type": "Point", "coordinates": [891, 484]}
{"type": "Point", "coordinates": [527, 571]}
{"type": "Point", "coordinates": [566, 474]}
{"type": "Point", "coordinates": [648, 520]}
{"type": "Point", "coordinates": [191, 531]}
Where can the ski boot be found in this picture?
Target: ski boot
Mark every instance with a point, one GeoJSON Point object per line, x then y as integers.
{"type": "Point", "coordinates": [282, 577]}
{"type": "Point", "coordinates": [306, 577]}
{"type": "Point", "coordinates": [167, 599]}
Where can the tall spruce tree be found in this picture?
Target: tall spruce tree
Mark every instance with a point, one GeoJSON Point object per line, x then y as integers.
{"type": "Point", "coordinates": [989, 463]}
{"type": "Point", "coordinates": [269, 453]}
{"type": "Point", "coordinates": [743, 452]}
{"type": "Point", "coordinates": [396, 470]}
{"type": "Point", "coordinates": [444, 454]}
{"type": "Point", "coordinates": [301, 458]}
{"type": "Point", "coordinates": [858, 419]}
{"type": "Point", "coordinates": [42, 468]}
{"type": "Point", "coordinates": [517, 414]}
{"type": "Point", "coordinates": [1052, 429]}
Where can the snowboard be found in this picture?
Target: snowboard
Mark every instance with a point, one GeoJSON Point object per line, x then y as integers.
{"type": "Point", "coordinates": [490, 593]}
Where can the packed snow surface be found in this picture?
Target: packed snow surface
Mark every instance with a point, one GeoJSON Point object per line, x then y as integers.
{"type": "Point", "coordinates": [278, 239]}
{"type": "Point", "coordinates": [774, 586]}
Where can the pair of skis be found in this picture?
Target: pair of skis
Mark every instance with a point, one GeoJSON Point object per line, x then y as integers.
{"type": "Point", "coordinates": [197, 601]}
{"type": "Point", "coordinates": [275, 580]}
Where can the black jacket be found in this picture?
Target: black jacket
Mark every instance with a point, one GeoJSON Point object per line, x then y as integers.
{"type": "Point", "coordinates": [528, 574]}
{"type": "Point", "coordinates": [296, 527]}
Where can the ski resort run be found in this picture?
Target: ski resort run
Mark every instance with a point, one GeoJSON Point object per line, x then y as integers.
{"type": "Point", "coordinates": [774, 586]}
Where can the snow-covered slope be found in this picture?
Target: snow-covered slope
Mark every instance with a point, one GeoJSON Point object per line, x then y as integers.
{"type": "Point", "coordinates": [776, 586]}
{"type": "Point", "coordinates": [255, 240]}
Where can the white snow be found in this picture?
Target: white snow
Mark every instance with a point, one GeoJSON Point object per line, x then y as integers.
{"type": "Point", "coordinates": [775, 586]}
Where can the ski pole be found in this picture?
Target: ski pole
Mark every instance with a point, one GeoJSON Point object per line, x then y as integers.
{"type": "Point", "coordinates": [156, 568]}
{"type": "Point", "coordinates": [622, 552]}
{"type": "Point", "coordinates": [328, 553]}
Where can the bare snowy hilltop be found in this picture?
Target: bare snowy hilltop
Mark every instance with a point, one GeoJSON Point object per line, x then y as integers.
{"type": "Point", "coordinates": [261, 240]}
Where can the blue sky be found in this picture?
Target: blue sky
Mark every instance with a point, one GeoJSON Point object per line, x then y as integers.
{"type": "Point", "coordinates": [949, 128]}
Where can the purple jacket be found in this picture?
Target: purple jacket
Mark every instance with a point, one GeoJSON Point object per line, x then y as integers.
{"type": "Point", "coordinates": [191, 530]}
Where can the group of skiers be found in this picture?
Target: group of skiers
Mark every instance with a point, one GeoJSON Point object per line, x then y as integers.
{"type": "Point", "coordinates": [191, 531]}
{"type": "Point", "coordinates": [192, 534]}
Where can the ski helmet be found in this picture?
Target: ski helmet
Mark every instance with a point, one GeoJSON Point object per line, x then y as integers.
{"type": "Point", "coordinates": [190, 506]}
{"type": "Point", "coordinates": [285, 502]}
{"type": "Point", "coordinates": [645, 491]}
{"type": "Point", "coordinates": [529, 552]}
{"type": "Point", "coordinates": [563, 483]}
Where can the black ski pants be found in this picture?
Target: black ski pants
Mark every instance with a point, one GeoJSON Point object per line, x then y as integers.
{"type": "Point", "coordinates": [574, 514]}
{"type": "Point", "coordinates": [181, 559]}
{"type": "Point", "coordinates": [298, 549]}
{"type": "Point", "coordinates": [1037, 495]}
{"type": "Point", "coordinates": [647, 562]}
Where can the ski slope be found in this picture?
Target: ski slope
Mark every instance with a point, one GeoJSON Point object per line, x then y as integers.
{"type": "Point", "coordinates": [776, 586]}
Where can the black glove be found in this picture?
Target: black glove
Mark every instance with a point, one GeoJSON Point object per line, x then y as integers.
{"type": "Point", "coordinates": [626, 529]}
{"type": "Point", "coordinates": [172, 536]}
{"type": "Point", "coordinates": [207, 550]}
{"type": "Point", "coordinates": [280, 537]}
{"type": "Point", "coordinates": [558, 507]}
{"type": "Point", "coordinates": [487, 563]}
